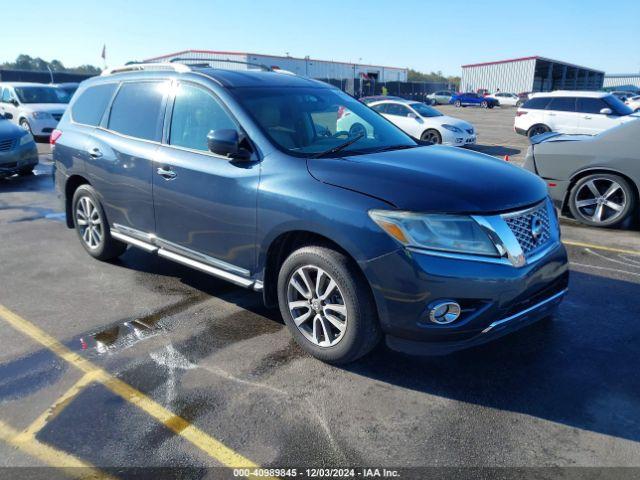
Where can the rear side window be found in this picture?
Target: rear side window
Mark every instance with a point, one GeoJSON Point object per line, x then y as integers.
{"type": "Point", "coordinates": [537, 103]}
{"type": "Point", "coordinates": [91, 104]}
{"type": "Point", "coordinates": [562, 104]}
{"type": "Point", "coordinates": [136, 110]}
{"type": "Point", "coordinates": [591, 105]}
{"type": "Point", "coordinates": [196, 113]}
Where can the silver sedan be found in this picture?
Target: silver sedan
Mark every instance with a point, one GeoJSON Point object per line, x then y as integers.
{"type": "Point", "coordinates": [595, 179]}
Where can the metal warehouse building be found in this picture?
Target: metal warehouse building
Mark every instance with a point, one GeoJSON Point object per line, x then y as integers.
{"type": "Point", "coordinates": [320, 69]}
{"type": "Point", "coordinates": [622, 81]}
{"type": "Point", "coordinates": [529, 74]}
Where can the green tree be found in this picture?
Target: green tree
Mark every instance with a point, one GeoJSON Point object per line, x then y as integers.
{"type": "Point", "coordinates": [26, 62]}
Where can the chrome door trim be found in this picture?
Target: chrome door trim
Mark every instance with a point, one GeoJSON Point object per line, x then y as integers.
{"type": "Point", "coordinates": [218, 268]}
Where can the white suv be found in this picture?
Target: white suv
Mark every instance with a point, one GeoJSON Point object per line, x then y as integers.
{"type": "Point", "coordinates": [36, 107]}
{"type": "Point", "coordinates": [571, 112]}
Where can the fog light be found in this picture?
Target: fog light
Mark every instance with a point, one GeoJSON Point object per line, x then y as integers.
{"type": "Point", "coordinates": [444, 312]}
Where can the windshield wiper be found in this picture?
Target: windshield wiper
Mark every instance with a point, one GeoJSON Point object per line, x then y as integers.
{"type": "Point", "coordinates": [337, 148]}
{"type": "Point", "coordinates": [393, 147]}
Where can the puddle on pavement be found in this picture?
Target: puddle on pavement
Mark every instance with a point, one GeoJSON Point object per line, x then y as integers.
{"type": "Point", "coordinates": [34, 213]}
{"type": "Point", "coordinates": [124, 335]}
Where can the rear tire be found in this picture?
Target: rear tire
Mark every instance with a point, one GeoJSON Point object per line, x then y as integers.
{"type": "Point", "coordinates": [92, 226]}
{"type": "Point", "coordinates": [457, 103]}
{"type": "Point", "coordinates": [537, 130]}
{"type": "Point", "coordinates": [618, 200]}
{"type": "Point", "coordinates": [339, 328]}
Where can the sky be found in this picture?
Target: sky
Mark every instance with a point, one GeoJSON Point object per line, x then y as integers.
{"type": "Point", "coordinates": [424, 35]}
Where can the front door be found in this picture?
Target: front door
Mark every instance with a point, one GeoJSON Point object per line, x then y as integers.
{"type": "Point", "coordinates": [7, 108]}
{"type": "Point", "coordinates": [205, 204]}
{"type": "Point", "coordinates": [591, 120]}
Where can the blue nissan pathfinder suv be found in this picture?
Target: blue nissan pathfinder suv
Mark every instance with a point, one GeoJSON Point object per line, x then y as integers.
{"type": "Point", "coordinates": [355, 235]}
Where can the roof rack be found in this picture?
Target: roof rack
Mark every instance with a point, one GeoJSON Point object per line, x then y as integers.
{"type": "Point", "coordinates": [132, 67]}
{"type": "Point", "coordinates": [206, 62]}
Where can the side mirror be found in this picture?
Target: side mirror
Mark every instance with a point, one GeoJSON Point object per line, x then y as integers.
{"type": "Point", "coordinates": [412, 115]}
{"type": "Point", "coordinates": [606, 111]}
{"type": "Point", "coordinates": [15, 102]}
{"type": "Point", "coordinates": [226, 142]}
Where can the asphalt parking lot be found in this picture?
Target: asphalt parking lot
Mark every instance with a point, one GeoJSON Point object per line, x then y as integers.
{"type": "Point", "coordinates": [142, 362]}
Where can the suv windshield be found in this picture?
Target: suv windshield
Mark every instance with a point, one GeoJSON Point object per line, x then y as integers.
{"type": "Point", "coordinates": [617, 106]}
{"type": "Point", "coordinates": [309, 121]}
{"type": "Point", "coordinates": [41, 95]}
{"type": "Point", "coordinates": [425, 111]}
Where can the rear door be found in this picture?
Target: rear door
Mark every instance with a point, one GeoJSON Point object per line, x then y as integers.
{"type": "Point", "coordinates": [561, 115]}
{"type": "Point", "coordinates": [591, 120]}
{"type": "Point", "coordinates": [205, 204]}
{"type": "Point", "coordinates": [121, 154]}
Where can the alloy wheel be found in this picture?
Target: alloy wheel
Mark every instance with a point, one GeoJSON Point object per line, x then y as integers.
{"type": "Point", "coordinates": [601, 200]}
{"type": "Point", "coordinates": [89, 222]}
{"type": "Point", "coordinates": [431, 136]}
{"type": "Point", "coordinates": [317, 306]}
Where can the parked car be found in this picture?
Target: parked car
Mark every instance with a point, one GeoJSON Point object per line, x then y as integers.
{"type": "Point", "coordinates": [596, 178]}
{"type": "Point", "coordinates": [634, 103]}
{"type": "Point", "coordinates": [224, 172]}
{"type": "Point", "coordinates": [473, 99]}
{"type": "Point", "coordinates": [623, 95]}
{"type": "Point", "coordinates": [523, 97]}
{"type": "Point", "coordinates": [18, 152]}
{"type": "Point", "coordinates": [441, 97]}
{"type": "Point", "coordinates": [571, 112]}
{"type": "Point", "coordinates": [35, 107]}
{"type": "Point", "coordinates": [377, 98]}
{"type": "Point", "coordinates": [506, 99]}
{"type": "Point", "coordinates": [426, 123]}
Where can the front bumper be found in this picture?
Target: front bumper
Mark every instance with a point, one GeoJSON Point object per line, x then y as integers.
{"type": "Point", "coordinates": [496, 299]}
{"type": "Point", "coordinates": [454, 139]}
{"type": "Point", "coordinates": [43, 127]}
{"type": "Point", "coordinates": [18, 158]}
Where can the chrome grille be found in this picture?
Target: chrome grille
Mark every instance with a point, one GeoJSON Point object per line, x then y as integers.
{"type": "Point", "coordinates": [521, 224]}
{"type": "Point", "coordinates": [6, 145]}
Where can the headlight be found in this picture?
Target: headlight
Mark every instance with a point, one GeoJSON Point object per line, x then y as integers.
{"type": "Point", "coordinates": [41, 115]}
{"type": "Point", "coordinates": [452, 128]}
{"type": "Point", "coordinates": [26, 139]}
{"type": "Point", "coordinates": [451, 233]}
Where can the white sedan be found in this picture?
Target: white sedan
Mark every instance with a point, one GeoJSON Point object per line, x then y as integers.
{"type": "Point", "coordinates": [506, 99]}
{"type": "Point", "coordinates": [426, 123]}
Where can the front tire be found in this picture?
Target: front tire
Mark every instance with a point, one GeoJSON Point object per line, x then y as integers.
{"type": "Point", "coordinates": [92, 227]}
{"type": "Point", "coordinates": [602, 200]}
{"type": "Point", "coordinates": [327, 305]}
{"type": "Point", "coordinates": [484, 104]}
{"type": "Point", "coordinates": [432, 136]}
{"type": "Point", "coordinates": [457, 103]}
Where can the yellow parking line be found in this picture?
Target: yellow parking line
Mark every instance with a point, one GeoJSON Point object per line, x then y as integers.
{"type": "Point", "coordinates": [212, 447]}
{"type": "Point", "coordinates": [601, 247]}
{"type": "Point", "coordinates": [54, 410]}
{"type": "Point", "coordinates": [49, 455]}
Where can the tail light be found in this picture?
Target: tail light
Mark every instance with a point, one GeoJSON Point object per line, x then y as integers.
{"type": "Point", "coordinates": [55, 135]}
{"type": "Point", "coordinates": [520, 113]}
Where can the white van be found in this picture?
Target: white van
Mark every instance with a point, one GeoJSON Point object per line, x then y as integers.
{"type": "Point", "coordinates": [571, 112]}
{"type": "Point", "coordinates": [36, 107]}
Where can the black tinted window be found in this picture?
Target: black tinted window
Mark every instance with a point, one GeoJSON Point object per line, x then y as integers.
{"type": "Point", "coordinates": [136, 110]}
{"type": "Point", "coordinates": [90, 105]}
{"type": "Point", "coordinates": [562, 104]}
{"type": "Point", "coordinates": [398, 110]}
{"type": "Point", "coordinates": [536, 103]}
{"type": "Point", "coordinates": [380, 108]}
{"type": "Point", "coordinates": [195, 114]}
{"type": "Point", "coordinates": [590, 105]}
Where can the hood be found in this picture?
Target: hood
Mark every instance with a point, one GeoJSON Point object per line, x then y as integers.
{"type": "Point", "coordinates": [434, 179]}
{"type": "Point", "coordinates": [558, 137]}
{"type": "Point", "coordinates": [447, 120]}
{"type": "Point", "coordinates": [45, 107]}
{"type": "Point", "coordinates": [9, 130]}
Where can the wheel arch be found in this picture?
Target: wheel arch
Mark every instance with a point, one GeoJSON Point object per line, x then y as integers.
{"type": "Point", "coordinates": [70, 187]}
{"type": "Point", "coordinates": [285, 244]}
{"type": "Point", "coordinates": [539, 124]}
{"type": "Point", "coordinates": [593, 170]}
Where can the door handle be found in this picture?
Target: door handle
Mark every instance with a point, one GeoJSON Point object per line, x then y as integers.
{"type": "Point", "coordinates": [95, 152]}
{"type": "Point", "coordinates": [552, 114]}
{"type": "Point", "coordinates": [166, 173]}
{"type": "Point", "coordinates": [587, 117]}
